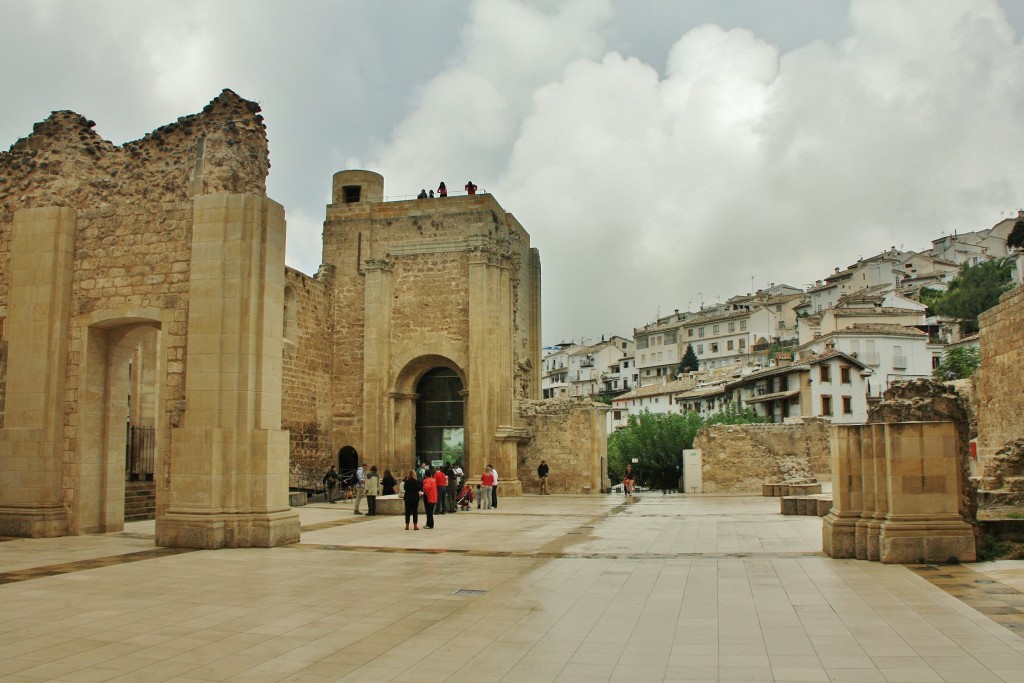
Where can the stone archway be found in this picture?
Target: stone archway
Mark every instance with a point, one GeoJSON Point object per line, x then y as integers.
{"type": "Point", "coordinates": [403, 402]}
{"type": "Point", "coordinates": [121, 382]}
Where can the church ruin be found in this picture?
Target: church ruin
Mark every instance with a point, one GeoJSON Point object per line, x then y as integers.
{"type": "Point", "coordinates": [150, 332]}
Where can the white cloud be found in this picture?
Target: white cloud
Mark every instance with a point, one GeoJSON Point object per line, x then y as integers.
{"type": "Point", "coordinates": [642, 191]}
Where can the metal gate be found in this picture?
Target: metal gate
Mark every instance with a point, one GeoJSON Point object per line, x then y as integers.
{"type": "Point", "coordinates": [140, 453]}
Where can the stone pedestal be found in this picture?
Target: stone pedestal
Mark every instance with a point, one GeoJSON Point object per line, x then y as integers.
{"type": "Point", "coordinates": [896, 494]}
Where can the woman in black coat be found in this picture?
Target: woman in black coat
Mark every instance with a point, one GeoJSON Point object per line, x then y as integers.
{"type": "Point", "coordinates": [411, 496]}
{"type": "Point", "coordinates": [388, 483]}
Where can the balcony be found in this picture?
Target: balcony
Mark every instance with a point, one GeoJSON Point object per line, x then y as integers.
{"type": "Point", "coordinates": [899, 362]}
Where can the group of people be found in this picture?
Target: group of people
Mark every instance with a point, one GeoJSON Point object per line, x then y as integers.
{"type": "Point", "coordinates": [442, 191]}
{"type": "Point", "coordinates": [438, 488]}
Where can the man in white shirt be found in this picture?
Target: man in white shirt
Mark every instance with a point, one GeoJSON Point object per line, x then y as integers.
{"type": "Point", "coordinates": [360, 487]}
{"type": "Point", "coordinates": [494, 489]}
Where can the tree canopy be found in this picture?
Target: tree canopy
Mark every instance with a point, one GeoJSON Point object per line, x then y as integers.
{"type": "Point", "coordinates": [975, 290]}
{"type": "Point", "coordinates": [658, 440]}
{"type": "Point", "coordinates": [959, 362]}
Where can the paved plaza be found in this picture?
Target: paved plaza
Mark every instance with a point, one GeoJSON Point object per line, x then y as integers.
{"type": "Point", "coordinates": [554, 588]}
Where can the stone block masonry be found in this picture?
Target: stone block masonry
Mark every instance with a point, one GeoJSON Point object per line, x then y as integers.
{"type": "Point", "coordinates": [570, 434]}
{"type": "Point", "coordinates": [999, 380]}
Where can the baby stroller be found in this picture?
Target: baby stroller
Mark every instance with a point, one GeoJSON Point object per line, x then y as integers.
{"type": "Point", "coordinates": [466, 498]}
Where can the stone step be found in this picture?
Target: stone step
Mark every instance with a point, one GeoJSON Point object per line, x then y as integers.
{"type": "Point", "coordinates": [811, 506]}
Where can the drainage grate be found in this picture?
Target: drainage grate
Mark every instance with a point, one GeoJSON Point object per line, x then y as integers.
{"type": "Point", "coordinates": [469, 591]}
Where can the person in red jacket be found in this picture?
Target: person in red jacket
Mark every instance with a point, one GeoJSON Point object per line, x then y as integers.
{"type": "Point", "coordinates": [486, 482]}
{"type": "Point", "coordinates": [429, 497]}
{"type": "Point", "coordinates": [441, 479]}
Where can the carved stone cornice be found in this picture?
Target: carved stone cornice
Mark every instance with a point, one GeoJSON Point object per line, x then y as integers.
{"type": "Point", "coordinates": [378, 264]}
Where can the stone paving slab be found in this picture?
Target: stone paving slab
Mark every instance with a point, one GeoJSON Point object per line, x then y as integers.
{"type": "Point", "coordinates": [568, 589]}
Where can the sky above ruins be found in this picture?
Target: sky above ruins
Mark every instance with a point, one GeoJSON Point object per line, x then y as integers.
{"type": "Point", "coordinates": [660, 154]}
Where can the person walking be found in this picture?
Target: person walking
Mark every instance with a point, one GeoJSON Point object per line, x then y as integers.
{"type": "Point", "coordinates": [542, 474]}
{"type": "Point", "coordinates": [441, 480]}
{"type": "Point", "coordinates": [627, 481]}
{"type": "Point", "coordinates": [330, 483]}
{"type": "Point", "coordinates": [411, 494]}
{"type": "Point", "coordinates": [372, 491]}
{"type": "Point", "coordinates": [486, 482]}
{"type": "Point", "coordinates": [429, 497]}
{"type": "Point", "coordinates": [360, 487]}
{"type": "Point", "coordinates": [388, 484]}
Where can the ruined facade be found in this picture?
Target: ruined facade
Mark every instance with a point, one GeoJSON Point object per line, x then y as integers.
{"type": "Point", "coordinates": [149, 329]}
{"type": "Point", "coordinates": [1000, 401]}
{"type": "Point", "coordinates": [141, 294]}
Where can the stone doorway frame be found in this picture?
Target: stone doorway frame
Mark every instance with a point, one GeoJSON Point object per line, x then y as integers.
{"type": "Point", "coordinates": [403, 406]}
{"type": "Point", "coordinates": [108, 341]}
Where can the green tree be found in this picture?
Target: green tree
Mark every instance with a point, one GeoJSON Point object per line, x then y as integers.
{"type": "Point", "coordinates": [930, 297]}
{"type": "Point", "coordinates": [975, 290]}
{"type": "Point", "coordinates": [689, 362]}
{"type": "Point", "coordinates": [657, 441]}
{"type": "Point", "coordinates": [959, 362]}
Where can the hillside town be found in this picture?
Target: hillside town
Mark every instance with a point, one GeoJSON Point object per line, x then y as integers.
{"type": "Point", "coordinates": [827, 351]}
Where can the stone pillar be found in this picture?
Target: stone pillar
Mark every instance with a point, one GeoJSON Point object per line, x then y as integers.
{"type": "Point", "coordinates": [39, 306]}
{"type": "Point", "coordinates": [403, 452]}
{"type": "Point", "coordinates": [229, 460]}
{"type": "Point", "coordinates": [378, 424]}
{"type": "Point", "coordinates": [839, 528]}
{"type": "Point", "coordinates": [479, 425]}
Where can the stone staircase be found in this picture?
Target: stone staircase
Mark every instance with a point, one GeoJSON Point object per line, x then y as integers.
{"type": "Point", "coordinates": [139, 500]}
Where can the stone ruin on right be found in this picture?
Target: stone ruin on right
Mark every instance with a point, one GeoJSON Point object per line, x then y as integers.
{"type": "Point", "coordinates": [902, 485]}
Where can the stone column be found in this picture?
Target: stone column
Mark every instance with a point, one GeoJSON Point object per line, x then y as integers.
{"type": "Point", "coordinates": [507, 434]}
{"type": "Point", "coordinates": [39, 306]}
{"type": "Point", "coordinates": [479, 426]}
{"type": "Point", "coordinates": [229, 460]}
{"type": "Point", "coordinates": [839, 528]}
{"type": "Point", "coordinates": [378, 423]}
{"type": "Point", "coordinates": [403, 454]}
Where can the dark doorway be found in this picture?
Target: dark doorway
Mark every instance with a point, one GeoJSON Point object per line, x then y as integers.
{"type": "Point", "coordinates": [348, 462]}
{"type": "Point", "coordinates": [440, 427]}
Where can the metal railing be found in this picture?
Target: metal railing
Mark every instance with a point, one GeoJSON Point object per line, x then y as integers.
{"type": "Point", "coordinates": [140, 453]}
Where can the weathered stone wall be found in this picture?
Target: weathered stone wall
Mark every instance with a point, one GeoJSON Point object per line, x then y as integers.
{"type": "Point", "coordinates": [999, 380]}
{"type": "Point", "coordinates": [306, 375]}
{"type": "Point", "coordinates": [570, 434]}
{"type": "Point", "coordinates": [132, 237]}
{"type": "Point", "coordinates": [739, 458]}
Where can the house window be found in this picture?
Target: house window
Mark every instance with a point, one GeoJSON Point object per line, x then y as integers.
{"type": "Point", "coordinates": [826, 405]}
{"type": "Point", "coordinates": [714, 348]}
{"type": "Point", "coordinates": [700, 348]}
{"type": "Point", "coordinates": [689, 332]}
{"type": "Point", "coordinates": [714, 329]}
{"type": "Point", "coordinates": [743, 325]}
{"type": "Point", "coordinates": [825, 373]}
{"type": "Point", "coordinates": [617, 415]}
{"type": "Point", "coordinates": [844, 374]}
{"type": "Point", "coordinates": [728, 345]}
{"type": "Point", "coordinates": [847, 405]}
{"type": "Point", "coordinates": [700, 332]}
{"type": "Point", "coordinates": [782, 324]}
{"type": "Point", "coordinates": [643, 357]}
{"type": "Point", "coordinates": [732, 327]}
{"type": "Point", "coordinates": [743, 343]}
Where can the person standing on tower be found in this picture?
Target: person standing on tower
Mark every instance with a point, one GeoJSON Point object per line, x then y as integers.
{"type": "Point", "coordinates": [442, 191]}
{"type": "Point", "coordinates": [470, 188]}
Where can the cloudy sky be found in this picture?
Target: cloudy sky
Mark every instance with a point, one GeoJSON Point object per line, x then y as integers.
{"type": "Point", "coordinates": [659, 153]}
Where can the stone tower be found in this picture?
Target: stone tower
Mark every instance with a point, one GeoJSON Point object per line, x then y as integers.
{"type": "Point", "coordinates": [428, 296]}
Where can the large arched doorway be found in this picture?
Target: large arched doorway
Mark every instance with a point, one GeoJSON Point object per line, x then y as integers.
{"type": "Point", "coordinates": [440, 417]}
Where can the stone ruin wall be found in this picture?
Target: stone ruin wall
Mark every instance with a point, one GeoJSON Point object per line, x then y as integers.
{"type": "Point", "coordinates": [570, 434]}
{"type": "Point", "coordinates": [740, 458]}
{"type": "Point", "coordinates": [999, 380]}
{"type": "Point", "coordinates": [306, 378]}
{"type": "Point", "coordinates": [134, 217]}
